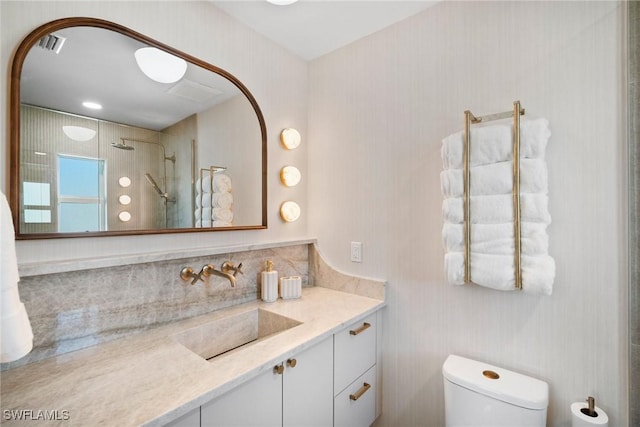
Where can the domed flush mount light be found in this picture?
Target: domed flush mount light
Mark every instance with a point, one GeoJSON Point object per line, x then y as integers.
{"type": "Point", "coordinates": [159, 65]}
{"type": "Point", "coordinates": [290, 211]}
{"type": "Point", "coordinates": [290, 138]}
{"type": "Point", "coordinates": [290, 176]}
{"type": "Point", "coordinates": [79, 133]}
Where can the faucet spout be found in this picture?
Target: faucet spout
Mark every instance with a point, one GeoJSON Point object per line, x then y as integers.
{"type": "Point", "coordinates": [210, 270]}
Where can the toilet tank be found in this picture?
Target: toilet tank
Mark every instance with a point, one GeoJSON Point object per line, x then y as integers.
{"type": "Point", "coordinates": [478, 394]}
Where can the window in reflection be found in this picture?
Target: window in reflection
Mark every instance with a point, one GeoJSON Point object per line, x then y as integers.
{"type": "Point", "coordinates": [81, 201]}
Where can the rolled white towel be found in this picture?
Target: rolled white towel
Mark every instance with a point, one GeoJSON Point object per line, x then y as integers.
{"type": "Point", "coordinates": [221, 224]}
{"type": "Point", "coordinates": [490, 144]}
{"type": "Point", "coordinates": [205, 213]}
{"type": "Point", "coordinates": [203, 199]}
{"type": "Point", "coordinates": [222, 200]}
{"type": "Point", "coordinates": [497, 272]}
{"type": "Point", "coordinates": [497, 209]}
{"type": "Point", "coordinates": [221, 184]}
{"type": "Point", "coordinates": [497, 239]}
{"type": "Point", "coordinates": [203, 224]}
{"type": "Point", "coordinates": [222, 214]}
{"type": "Point", "coordinates": [496, 178]}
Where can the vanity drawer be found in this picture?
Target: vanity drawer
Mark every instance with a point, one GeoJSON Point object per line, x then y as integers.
{"type": "Point", "coordinates": [356, 405]}
{"type": "Point", "coordinates": [354, 352]}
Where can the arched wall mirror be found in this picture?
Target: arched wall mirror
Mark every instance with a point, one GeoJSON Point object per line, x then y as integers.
{"type": "Point", "coordinates": [191, 148]}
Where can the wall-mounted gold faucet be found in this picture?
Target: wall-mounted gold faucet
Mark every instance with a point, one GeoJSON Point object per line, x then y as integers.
{"type": "Point", "coordinates": [229, 272]}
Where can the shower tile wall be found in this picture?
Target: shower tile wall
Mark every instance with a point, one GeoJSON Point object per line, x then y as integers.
{"type": "Point", "coordinates": [73, 310]}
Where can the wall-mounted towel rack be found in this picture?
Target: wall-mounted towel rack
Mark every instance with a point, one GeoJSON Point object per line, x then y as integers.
{"type": "Point", "coordinates": [469, 120]}
{"type": "Point", "coordinates": [211, 169]}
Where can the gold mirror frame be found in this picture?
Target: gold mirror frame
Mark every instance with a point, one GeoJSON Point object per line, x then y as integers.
{"type": "Point", "coordinates": [14, 126]}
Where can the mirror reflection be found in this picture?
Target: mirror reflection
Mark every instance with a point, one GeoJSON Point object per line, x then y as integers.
{"type": "Point", "coordinates": [120, 137]}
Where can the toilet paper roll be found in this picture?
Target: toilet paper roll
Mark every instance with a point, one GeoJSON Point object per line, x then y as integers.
{"type": "Point", "coordinates": [580, 419]}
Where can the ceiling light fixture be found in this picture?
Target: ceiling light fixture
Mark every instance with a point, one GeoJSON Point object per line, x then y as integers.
{"type": "Point", "coordinates": [79, 133]}
{"type": "Point", "coordinates": [282, 2]}
{"type": "Point", "coordinates": [159, 65]}
{"type": "Point", "coordinates": [92, 105]}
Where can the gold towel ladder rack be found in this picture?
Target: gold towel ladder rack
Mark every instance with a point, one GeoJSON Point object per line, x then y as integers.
{"type": "Point", "coordinates": [469, 120]}
{"type": "Point", "coordinates": [211, 169]}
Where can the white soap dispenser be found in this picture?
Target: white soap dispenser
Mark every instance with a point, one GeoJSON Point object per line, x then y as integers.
{"type": "Point", "coordinates": [269, 283]}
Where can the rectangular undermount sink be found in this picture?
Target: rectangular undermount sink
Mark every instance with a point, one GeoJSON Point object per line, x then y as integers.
{"type": "Point", "coordinates": [223, 335]}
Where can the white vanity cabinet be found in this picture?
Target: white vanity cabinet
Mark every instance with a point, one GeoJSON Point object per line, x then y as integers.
{"type": "Point", "coordinates": [355, 374]}
{"type": "Point", "coordinates": [298, 392]}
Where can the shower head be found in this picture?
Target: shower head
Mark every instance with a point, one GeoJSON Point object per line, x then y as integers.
{"type": "Point", "coordinates": [121, 145]}
{"type": "Point", "coordinates": [155, 185]}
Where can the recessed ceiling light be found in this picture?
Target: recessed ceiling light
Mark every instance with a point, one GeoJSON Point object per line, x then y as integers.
{"type": "Point", "coordinates": [159, 65]}
{"type": "Point", "coordinates": [39, 153]}
{"type": "Point", "coordinates": [92, 105]}
{"type": "Point", "coordinates": [282, 2]}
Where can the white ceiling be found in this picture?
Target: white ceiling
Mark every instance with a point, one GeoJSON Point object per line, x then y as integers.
{"type": "Point", "coordinates": [312, 28]}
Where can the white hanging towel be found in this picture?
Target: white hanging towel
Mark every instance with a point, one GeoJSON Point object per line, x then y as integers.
{"type": "Point", "coordinates": [498, 271]}
{"type": "Point", "coordinates": [497, 209]}
{"type": "Point", "coordinates": [496, 178]}
{"type": "Point", "coordinates": [222, 214]}
{"type": "Point", "coordinates": [221, 183]}
{"type": "Point", "coordinates": [491, 144]}
{"type": "Point", "coordinates": [497, 239]}
{"type": "Point", "coordinates": [222, 200]}
{"type": "Point", "coordinates": [16, 336]}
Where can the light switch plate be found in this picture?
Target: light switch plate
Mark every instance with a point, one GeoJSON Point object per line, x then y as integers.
{"type": "Point", "coordinates": [356, 251]}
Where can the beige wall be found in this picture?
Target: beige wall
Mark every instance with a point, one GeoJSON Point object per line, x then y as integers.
{"type": "Point", "coordinates": [377, 113]}
{"type": "Point", "coordinates": [276, 78]}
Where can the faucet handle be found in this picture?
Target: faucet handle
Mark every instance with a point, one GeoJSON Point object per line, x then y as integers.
{"type": "Point", "coordinates": [207, 270]}
{"type": "Point", "coordinates": [229, 268]}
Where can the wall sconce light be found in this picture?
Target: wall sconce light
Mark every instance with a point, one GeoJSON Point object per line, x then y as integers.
{"type": "Point", "coordinates": [124, 216]}
{"type": "Point", "coordinates": [124, 181]}
{"type": "Point", "coordinates": [124, 199]}
{"type": "Point", "coordinates": [290, 211]}
{"type": "Point", "coordinates": [290, 176]}
{"type": "Point", "coordinates": [290, 138]}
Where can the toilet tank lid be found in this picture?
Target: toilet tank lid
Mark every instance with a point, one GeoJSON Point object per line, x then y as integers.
{"type": "Point", "coordinates": [510, 387]}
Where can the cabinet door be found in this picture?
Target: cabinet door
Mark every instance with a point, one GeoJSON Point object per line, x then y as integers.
{"type": "Point", "coordinates": [257, 403]}
{"type": "Point", "coordinates": [308, 387]}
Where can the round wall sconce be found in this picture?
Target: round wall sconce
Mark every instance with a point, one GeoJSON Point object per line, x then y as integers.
{"type": "Point", "coordinates": [290, 211]}
{"type": "Point", "coordinates": [290, 138]}
{"type": "Point", "coordinates": [124, 216]}
{"type": "Point", "coordinates": [124, 181]}
{"type": "Point", "coordinates": [290, 176]}
{"type": "Point", "coordinates": [124, 199]}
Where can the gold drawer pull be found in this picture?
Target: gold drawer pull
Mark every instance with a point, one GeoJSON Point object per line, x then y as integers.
{"type": "Point", "coordinates": [362, 328]}
{"type": "Point", "coordinates": [360, 392]}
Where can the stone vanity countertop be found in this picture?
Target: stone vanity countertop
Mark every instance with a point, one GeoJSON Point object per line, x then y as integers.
{"type": "Point", "coordinates": [151, 379]}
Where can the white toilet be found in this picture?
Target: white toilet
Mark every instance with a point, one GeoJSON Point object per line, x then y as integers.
{"type": "Point", "coordinates": [478, 394]}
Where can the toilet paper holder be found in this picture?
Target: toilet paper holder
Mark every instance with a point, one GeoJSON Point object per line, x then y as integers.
{"type": "Point", "coordinates": [590, 410]}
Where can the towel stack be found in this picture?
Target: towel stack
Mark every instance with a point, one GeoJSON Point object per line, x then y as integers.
{"type": "Point", "coordinates": [214, 201]}
{"type": "Point", "coordinates": [491, 207]}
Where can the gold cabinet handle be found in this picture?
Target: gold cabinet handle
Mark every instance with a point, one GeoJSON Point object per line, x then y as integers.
{"type": "Point", "coordinates": [278, 369]}
{"type": "Point", "coordinates": [358, 394]}
{"type": "Point", "coordinates": [292, 363]}
{"type": "Point", "coordinates": [362, 328]}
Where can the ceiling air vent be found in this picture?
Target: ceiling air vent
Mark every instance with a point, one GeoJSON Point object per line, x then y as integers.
{"type": "Point", "coordinates": [51, 43]}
